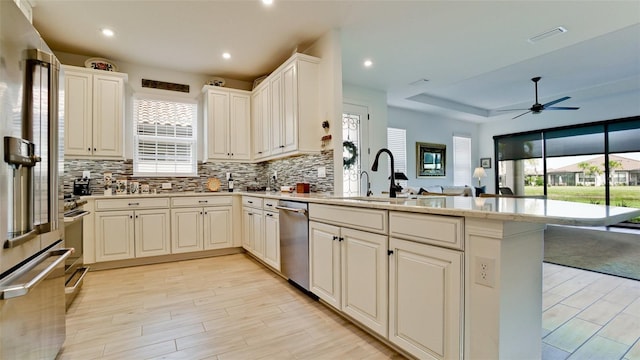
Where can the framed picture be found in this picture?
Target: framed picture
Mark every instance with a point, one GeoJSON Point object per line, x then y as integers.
{"type": "Point", "coordinates": [485, 163]}
{"type": "Point", "coordinates": [430, 160]}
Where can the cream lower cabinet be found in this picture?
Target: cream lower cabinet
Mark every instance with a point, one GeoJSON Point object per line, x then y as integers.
{"type": "Point", "coordinates": [272, 237]}
{"type": "Point", "coordinates": [348, 270]}
{"type": "Point", "coordinates": [252, 233]}
{"type": "Point", "coordinates": [128, 234]}
{"type": "Point", "coordinates": [426, 304]}
{"type": "Point", "coordinates": [206, 227]}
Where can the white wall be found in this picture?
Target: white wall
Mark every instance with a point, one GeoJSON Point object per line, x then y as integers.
{"type": "Point", "coordinates": [327, 48]}
{"type": "Point", "coordinates": [376, 101]}
{"type": "Point", "coordinates": [428, 128]}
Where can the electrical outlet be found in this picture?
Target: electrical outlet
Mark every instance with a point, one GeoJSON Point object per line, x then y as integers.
{"type": "Point", "coordinates": [228, 175]}
{"type": "Point", "coordinates": [485, 271]}
{"type": "Point", "coordinates": [166, 185]}
{"type": "Point", "coordinates": [86, 174]}
{"type": "Point", "coordinates": [322, 172]}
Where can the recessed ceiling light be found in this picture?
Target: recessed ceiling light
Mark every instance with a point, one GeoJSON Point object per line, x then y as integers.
{"type": "Point", "coordinates": [368, 63]}
{"type": "Point", "coordinates": [107, 32]}
{"type": "Point", "coordinates": [267, 2]}
{"type": "Point", "coordinates": [226, 55]}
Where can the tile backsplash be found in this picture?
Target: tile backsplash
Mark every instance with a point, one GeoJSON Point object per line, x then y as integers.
{"type": "Point", "coordinates": [291, 170]}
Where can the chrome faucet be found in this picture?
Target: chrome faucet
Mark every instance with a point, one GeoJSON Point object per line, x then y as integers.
{"type": "Point", "coordinates": [369, 192]}
{"type": "Point", "coordinates": [374, 167]}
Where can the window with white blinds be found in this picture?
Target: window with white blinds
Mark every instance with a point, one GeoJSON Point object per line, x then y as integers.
{"type": "Point", "coordinates": [164, 137]}
{"type": "Point", "coordinates": [397, 144]}
{"type": "Point", "coordinates": [461, 160]}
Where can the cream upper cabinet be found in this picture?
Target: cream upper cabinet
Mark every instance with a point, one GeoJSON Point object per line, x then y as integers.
{"type": "Point", "coordinates": [227, 124]}
{"type": "Point", "coordinates": [261, 121]}
{"type": "Point", "coordinates": [93, 113]}
{"type": "Point", "coordinates": [290, 111]}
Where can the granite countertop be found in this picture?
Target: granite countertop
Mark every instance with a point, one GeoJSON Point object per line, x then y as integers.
{"type": "Point", "coordinates": [505, 209]}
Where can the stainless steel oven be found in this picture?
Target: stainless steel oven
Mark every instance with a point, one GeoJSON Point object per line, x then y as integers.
{"type": "Point", "coordinates": [74, 268]}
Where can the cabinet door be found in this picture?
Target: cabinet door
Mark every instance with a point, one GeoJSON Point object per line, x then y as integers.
{"type": "Point", "coordinates": [186, 230]}
{"type": "Point", "coordinates": [78, 100]}
{"type": "Point", "coordinates": [256, 125]}
{"type": "Point", "coordinates": [217, 228]}
{"type": "Point", "coordinates": [272, 239]}
{"type": "Point", "coordinates": [265, 104]}
{"type": "Point", "coordinates": [276, 114]}
{"type": "Point", "coordinates": [240, 126]}
{"type": "Point", "coordinates": [108, 116]}
{"type": "Point", "coordinates": [217, 125]}
{"type": "Point", "coordinates": [425, 302]}
{"type": "Point", "coordinates": [247, 229]}
{"type": "Point", "coordinates": [289, 108]}
{"type": "Point", "coordinates": [114, 235]}
{"type": "Point", "coordinates": [258, 233]}
{"type": "Point", "coordinates": [364, 278]}
{"type": "Point", "coordinates": [152, 232]}
{"type": "Point", "coordinates": [324, 262]}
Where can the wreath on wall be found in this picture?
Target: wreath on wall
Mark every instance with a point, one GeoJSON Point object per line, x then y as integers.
{"type": "Point", "coordinates": [351, 151]}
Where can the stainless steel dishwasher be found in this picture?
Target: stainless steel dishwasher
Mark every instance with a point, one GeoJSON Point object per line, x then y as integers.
{"type": "Point", "coordinates": [294, 242]}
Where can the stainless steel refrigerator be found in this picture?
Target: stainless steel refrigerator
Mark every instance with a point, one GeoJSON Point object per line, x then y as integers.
{"type": "Point", "coordinates": [32, 302]}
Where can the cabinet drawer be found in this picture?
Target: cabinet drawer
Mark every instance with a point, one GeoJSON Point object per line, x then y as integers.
{"type": "Point", "coordinates": [270, 204]}
{"type": "Point", "coordinates": [192, 201]}
{"type": "Point", "coordinates": [444, 231]}
{"type": "Point", "coordinates": [131, 203]}
{"type": "Point", "coordinates": [251, 201]}
{"type": "Point", "coordinates": [356, 218]}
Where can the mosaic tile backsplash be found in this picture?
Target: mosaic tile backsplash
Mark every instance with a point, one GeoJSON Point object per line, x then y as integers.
{"type": "Point", "coordinates": [291, 170]}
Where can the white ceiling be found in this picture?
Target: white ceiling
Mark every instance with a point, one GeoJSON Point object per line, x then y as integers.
{"type": "Point", "coordinates": [474, 53]}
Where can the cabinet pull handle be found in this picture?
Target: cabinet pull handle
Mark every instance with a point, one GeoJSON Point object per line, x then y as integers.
{"type": "Point", "coordinates": [250, 202]}
{"type": "Point", "coordinates": [259, 152]}
{"type": "Point", "coordinates": [340, 239]}
{"type": "Point", "coordinates": [270, 215]}
{"type": "Point", "coordinates": [389, 252]}
{"type": "Point", "coordinates": [335, 237]}
{"type": "Point", "coordinates": [269, 204]}
{"type": "Point", "coordinates": [203, 201]}
{"type": "Point", "coordinates": [281, 146]}
{"type": "Point", "coordinates": [134, 204]}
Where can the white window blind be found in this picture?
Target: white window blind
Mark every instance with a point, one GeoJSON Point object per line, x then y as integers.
{"type": "Point", "coordinates": [397, 144]}
{"type": "Point", "coordinates": [164, 137]}
{"type": "Point", "coordinates": [461, 160]}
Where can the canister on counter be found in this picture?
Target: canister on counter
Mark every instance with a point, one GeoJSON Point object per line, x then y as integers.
{"type": "Point", "coordinates": [302, 187]}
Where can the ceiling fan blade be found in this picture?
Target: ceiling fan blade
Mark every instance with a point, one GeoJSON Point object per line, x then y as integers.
{"type": "Point", "coordinates": [556, 101]}
{"type": "Point", "coordinates": [561, 108]}
{"type": "Point", "coordinates": [513, 110]}
{"type": "Point", "coordinates": [525, 113]}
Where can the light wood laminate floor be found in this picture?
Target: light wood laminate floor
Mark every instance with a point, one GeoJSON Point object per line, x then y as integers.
{"type": "Point", "coordinates": [226, 307]}
{"type": "Point", "coordinates": [231, 307]}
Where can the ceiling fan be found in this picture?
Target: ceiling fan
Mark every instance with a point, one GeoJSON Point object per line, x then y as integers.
{"type": "Point", "coordinates": [537, 107]}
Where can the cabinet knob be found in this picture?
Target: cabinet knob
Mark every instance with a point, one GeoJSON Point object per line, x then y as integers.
{"type": "Point", "coordinates": [200, 212]}
{"type": "Point", "coordinates": [389, 252]}
{"type": "Point", "coordinates": [281, 146]}
{"type": "Point", "coordinates": [130, 216]}
{"type": "Point", "coordinates": [205, 213]}
{"type": "Point", "coordinates": [340, 239]}
{"type": "Point", "coordinates": [335, 237]}
{"type": "Point", "coordinates": [89, 149]}
{"type": "Point", "coordinates": [136, 216]}
{"type": "Point", "coordinates": [94, 149]}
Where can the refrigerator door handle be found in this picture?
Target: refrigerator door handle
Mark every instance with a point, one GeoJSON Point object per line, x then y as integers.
{"type": "Point", "coordinates": [17, 290]}
{"type": "Point", "coordinates": [19, 240]}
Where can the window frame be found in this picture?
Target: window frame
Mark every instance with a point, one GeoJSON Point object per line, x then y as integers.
{"type": "Point", "coordinates": [173, 140]}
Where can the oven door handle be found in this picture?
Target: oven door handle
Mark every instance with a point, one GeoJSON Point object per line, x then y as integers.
{"type": "Point", "coordinates": [17, 290]}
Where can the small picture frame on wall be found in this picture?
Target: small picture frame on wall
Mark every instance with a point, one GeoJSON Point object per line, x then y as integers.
{"type": "Point", "coordinates": [485, 163]}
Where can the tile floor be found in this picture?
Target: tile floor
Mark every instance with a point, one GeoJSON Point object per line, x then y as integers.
{"type": "Point", "coordinates": [233, 308]}
{"type": "Point", "coordinates": [588, 315]}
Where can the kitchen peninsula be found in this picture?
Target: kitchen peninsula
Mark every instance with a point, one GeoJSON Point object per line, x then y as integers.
{"type": "Point", "coordinates": [438, 276]}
